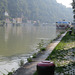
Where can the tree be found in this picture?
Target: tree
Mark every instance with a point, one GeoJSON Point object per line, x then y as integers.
{"type": "Point", "coordinates": [3, 8]}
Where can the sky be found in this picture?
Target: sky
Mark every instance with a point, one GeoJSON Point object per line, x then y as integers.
{"type": "Point", "coordinates": [67, 3]}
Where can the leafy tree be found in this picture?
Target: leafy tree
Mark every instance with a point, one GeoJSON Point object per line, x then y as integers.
{"type": "Point", "coordinates": [42, 10]}
{"type": "Point", "coordinates": [3, 8]}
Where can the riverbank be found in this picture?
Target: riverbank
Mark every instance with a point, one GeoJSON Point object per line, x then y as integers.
{"type": "Point", "coordinates": [30, 68]}
{"type": "Point", "coordinates": [64, 56]}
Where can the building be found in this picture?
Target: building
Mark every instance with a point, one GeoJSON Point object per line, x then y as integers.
{"type": "Point", "coordinates": [6, 13]}
{"type": "Point", "coordinates": [17, 20]}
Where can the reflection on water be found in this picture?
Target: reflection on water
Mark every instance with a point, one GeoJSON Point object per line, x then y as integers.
{"type": "Point", "coordinates": [17, 42]}
{"type": "Point", "coordinates": [60, 30]}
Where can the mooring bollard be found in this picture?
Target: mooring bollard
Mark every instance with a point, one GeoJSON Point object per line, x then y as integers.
{"type": "Point", "coordinates": [70, 31]}
{"type": "Point", "coordinates": [45, 68]}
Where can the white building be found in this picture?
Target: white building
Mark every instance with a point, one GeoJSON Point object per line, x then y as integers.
{"type": "Point", "coordinates": [6, 13]}
{"type": "Point", "coordinates": [17, 20]}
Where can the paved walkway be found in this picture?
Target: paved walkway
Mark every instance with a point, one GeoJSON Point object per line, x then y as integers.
{"type": "Point", "coordinates": [30, 68]}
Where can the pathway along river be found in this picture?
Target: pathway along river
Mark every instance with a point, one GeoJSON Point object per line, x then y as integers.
{"type": "Point", "coordinates": [19, 42]}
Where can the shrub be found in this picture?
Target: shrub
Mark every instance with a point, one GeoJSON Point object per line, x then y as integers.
{"type": "Point", "coordinates": [21, 63]}
{"type": "Point", "coordinates": [10, 73]}
{"type": "Point", "coordinates": [29, 59]}
{"type": "Point", "coordinates": [34, 55]}
{"type": "Point", "coordinates": [43, 49]}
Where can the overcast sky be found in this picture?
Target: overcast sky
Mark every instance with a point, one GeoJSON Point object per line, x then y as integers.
{"type": "Point", "coordinates": [67, 3]}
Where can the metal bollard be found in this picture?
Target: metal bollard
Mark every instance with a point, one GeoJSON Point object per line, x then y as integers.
{"type": "Point", "coordinates": [70, 31]}
{"type": "Point", "coordinates": [45, 68]}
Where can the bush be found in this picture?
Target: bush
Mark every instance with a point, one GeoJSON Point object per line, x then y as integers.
{"type": "Point", "coordinates": [29, 59]}
{"type": "Point", "coordinates": [43, 49]}
{"type": "Point", "coordinates": [21, 63]}
{"type": "Point", "coordinates": [10, 73]}
{"type": "Point", "coordinates": [34, 55]}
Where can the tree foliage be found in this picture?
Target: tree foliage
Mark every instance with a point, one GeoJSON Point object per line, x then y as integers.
{"type": "Point", "coordinates": [3, 7]}
{"type": "Point", "coordinates": [43, 10]}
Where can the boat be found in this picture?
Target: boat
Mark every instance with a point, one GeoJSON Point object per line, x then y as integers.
{"type": "Point", "coordinates": [62, 24]}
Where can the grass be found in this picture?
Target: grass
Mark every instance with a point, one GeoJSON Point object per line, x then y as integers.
{"type": "Point", "coordinates": [21, 63]}
{"type": "Point", "coordinates": [9, 73]}
{"type": "Point", "coordinates": [41, 49]}
{"type": "Point", "coordinates": [41, 44]}
{"type": "Point", "coordinates": [64, 56]}
{"type": "Point", "coordinates": [34, 55]}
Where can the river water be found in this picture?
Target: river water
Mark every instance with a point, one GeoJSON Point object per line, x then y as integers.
{"type": "Point", "coordinates": [19, 42]}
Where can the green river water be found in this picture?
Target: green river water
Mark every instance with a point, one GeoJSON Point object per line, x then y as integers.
{"type": "Point", "coordinates": [19, 42]}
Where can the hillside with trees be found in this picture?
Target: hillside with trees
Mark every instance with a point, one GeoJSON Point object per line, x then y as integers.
{"type": "Point", "coordinates": [3, 7]}
{"type": "Point", "coordinates": [42, 10]}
